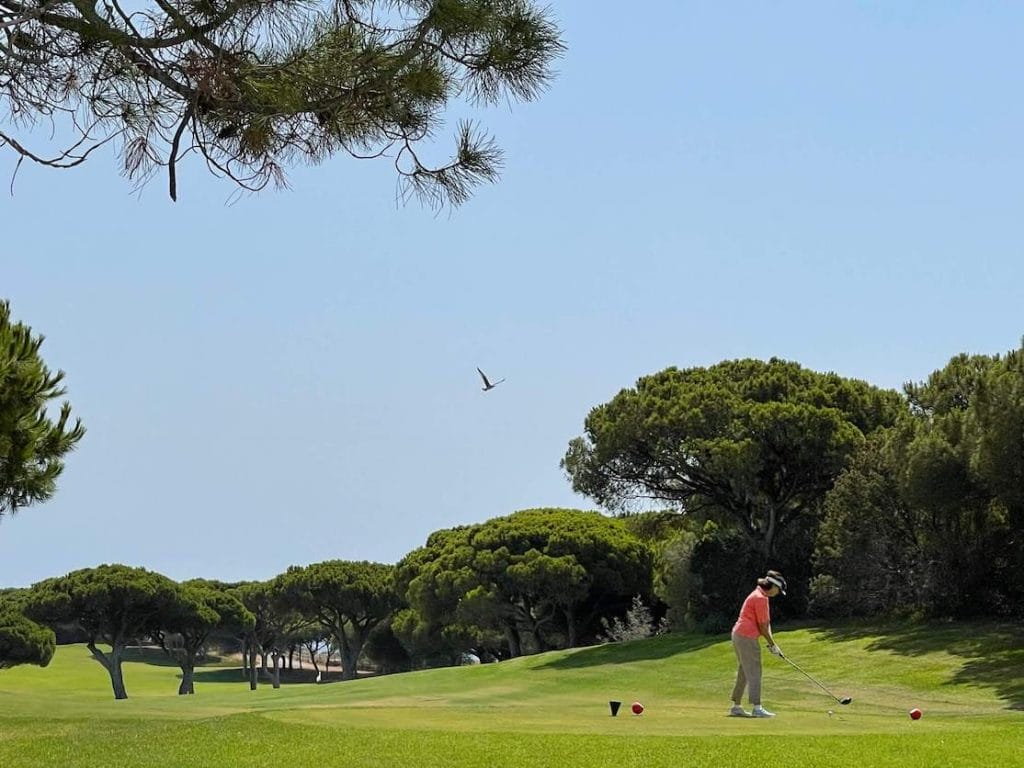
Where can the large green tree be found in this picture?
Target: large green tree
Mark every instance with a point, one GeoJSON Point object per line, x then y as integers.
{"type": "Point", "coordinates": [754, 444]}
{"type": "Point", "coordinates": [547, 574]}
{"type": "Point", "coordinates": [113, 604]}
{"type": "Point", "coordinates": [250, 86]}
{"type": "Point", "coordinates": [962, 466]}
{"type": "Point", "coordinates": [196, 610]}
{"type": "Point", "coordinates": [32, 444]}
{"type": "Point", "coordinates": [931, 516]}
{"type": "Point", "coordinates": [348, 600]}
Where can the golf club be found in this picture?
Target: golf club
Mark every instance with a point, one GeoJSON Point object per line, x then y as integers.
{"type": "Point", "coordinates": [845, 700]}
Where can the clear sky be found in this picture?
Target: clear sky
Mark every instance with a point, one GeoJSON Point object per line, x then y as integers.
{"type": "Point", "coordinates": [292, 378]}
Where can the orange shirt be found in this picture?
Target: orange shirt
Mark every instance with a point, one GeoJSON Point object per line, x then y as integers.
{"type": "Point", "coordinates": [754, 611]}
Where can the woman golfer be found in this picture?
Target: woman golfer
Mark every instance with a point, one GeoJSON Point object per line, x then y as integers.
{"type": "Point", "coordinates": [753, 623]}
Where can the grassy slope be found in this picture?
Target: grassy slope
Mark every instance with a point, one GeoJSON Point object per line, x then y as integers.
{"type": "Point", "coordinates": [551, 709]}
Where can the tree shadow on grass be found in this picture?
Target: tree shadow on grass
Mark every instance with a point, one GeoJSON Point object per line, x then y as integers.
{"type": "Point", "coordinates": [235, 675]}
{"type": "Point", "coordinates": [993, 653]}
{"type": "Point", "coordinates": [660, 647]}
{"type": "Point", "coordinates": [157, 657]}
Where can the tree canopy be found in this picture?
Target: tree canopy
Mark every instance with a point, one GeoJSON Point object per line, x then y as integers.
{"type": "Point", "coordinates": [348, 599]}
{"type": "Point", "coordinates": [867, 544]}
{"type": "Point", "coordinates": [996, 427]}
{"type": "Point", "coordinates": [542, 573]}
{"type": "Point", "coordinates": [32, 445]}
{"type": "Point", "coordinates": [250, 86]}
{"type": "Point", "coordinates": [756, 444]}
{"type": "Point", "coordinates": [930, 517]}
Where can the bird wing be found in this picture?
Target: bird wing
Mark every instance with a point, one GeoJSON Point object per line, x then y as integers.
{"type": "Point", "coordinates": [486, 382]}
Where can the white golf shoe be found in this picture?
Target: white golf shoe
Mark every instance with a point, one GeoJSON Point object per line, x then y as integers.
{"type": "Point", "coordinates": [760, 711]}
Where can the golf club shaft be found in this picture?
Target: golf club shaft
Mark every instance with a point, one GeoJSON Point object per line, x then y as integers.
{"type": "Point", "coordinates": [826, 690]}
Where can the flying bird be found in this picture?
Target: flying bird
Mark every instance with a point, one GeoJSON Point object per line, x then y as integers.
{"type": "Point", "coordinates": [487, 384]}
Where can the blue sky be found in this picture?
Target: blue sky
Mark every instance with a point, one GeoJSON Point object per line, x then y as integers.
{"type": "Point", "coordinates": [292, 378]}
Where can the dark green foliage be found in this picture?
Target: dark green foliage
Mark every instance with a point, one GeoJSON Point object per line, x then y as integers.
{"type": "Point", "coordinates": [930, 519]}
{"type": "Point", "coordinates": [538, 578]}
{"type": "Point", "coordinates": [105, 601]}
{"type": "Point", "coordinates": [253, 85]}
{"type": "Point", "coordinates": [968, 536]}
{"type": "Point", "coordinates": [868, 553]}
{"type": "Point", "coordinates": [384, 649]}
{"type": "Point", "coordinates": [23, 641]}
{"type": "Point", "coordinates": [725, 570]}
{"type": "Point", "coordinates": [949, 389]}
{"type": "Point", "coordinates": [32, 445]}
{"type": "Point", "coordinates": [429, 642]}
{"type": "Point", "coordinates": [996, 426]}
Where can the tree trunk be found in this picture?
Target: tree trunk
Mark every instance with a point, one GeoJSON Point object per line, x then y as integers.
{"type": "Point", "coordinates": [570, 625]}
{"type": "Point", "coordinates": [187, 674]}
{"type": "Point", "coordinates": [276, 675]}
{"type": "Point", "coordinates": [351, 669]}
{"type": "Point", "coordinates": [117, 676]}
{"type": "Point", "coordinates": [291, 657]}
{"type": "Point", "coordinates": [349, 651]}
{"type": "Point", "coordinates": [312, 656]}
{"type": "Point", "coordinates": [512, 638]}
{"type": "Point", "coordinates": [186, 659]}
{"type": "Point", "coordinates": [252, 666]}
{"type": "Point", "coordinates": [111, 663]}
{"type": "Point", "coordinates": [535, 629]}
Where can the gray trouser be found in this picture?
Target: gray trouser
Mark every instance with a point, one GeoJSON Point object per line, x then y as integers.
{"type": "Point", "coordinates": [748, 670]}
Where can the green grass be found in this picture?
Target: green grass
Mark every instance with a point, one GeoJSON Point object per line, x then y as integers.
{"type": "Point", "coordinates": [551, 709]}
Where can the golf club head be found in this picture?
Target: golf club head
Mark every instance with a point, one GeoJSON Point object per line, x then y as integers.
{"type": "Point", "coordinates": [845, 700]}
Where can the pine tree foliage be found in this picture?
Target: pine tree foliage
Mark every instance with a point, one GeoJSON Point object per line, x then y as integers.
{"type": "Point", "coordinates": [32, 444]}
{"type": "Point", "coordinates": [251, 86]}
{"type": "Point", "coordinates": [23, 641]}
